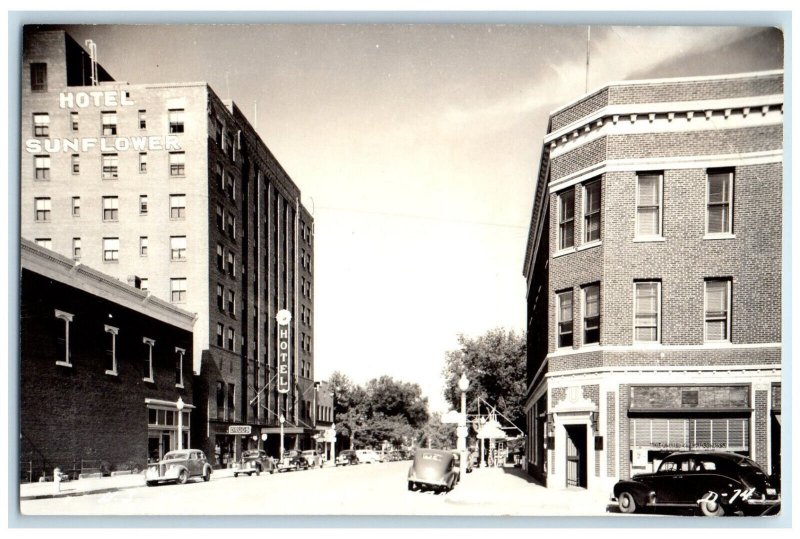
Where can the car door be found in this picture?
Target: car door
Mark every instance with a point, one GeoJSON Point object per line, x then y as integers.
{"type": "Point", "coordinates": [664, 482]}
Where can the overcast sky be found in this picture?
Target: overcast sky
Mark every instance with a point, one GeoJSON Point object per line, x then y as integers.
{"type": "Point", "coordinates": [416, 148]}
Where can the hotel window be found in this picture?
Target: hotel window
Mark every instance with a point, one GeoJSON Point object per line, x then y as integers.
{"type": "Point", "coordinates": [73, 120]}
{"type": "Point", "coordinates": [717, 310]}
{"type": "Point", "coordinates": [220, 330]}
{"type": "Point", "coordinates": [142, 119]}
{"type": "Point", "coordinates": [220, 258]}
{"type": "Point", "coordinates": [591, 211]}
{"type": "Point", "coordinates": [41, 166]}
{"type": "Point", "coordinates": [176, 121]}
{"type": "Point", "coordinates": [110, 208]}
{"type": "Point", "coordinates": [180, 352]}
{"type": "Point", "coordinates": [232, 303]}
{"type": "Point", "coordinates": [41, 124]}
{"type": "Point", "coordinates": [177, 163]}
{"type": "Point", "coordinates": [38, 77]}
{"type": "Point", "coordinates": [76, 248]}
{"type": "Point", "coordinates": [591, 314]}
{"type": "Point", "coordinates": [647, 311]}
{"type": "Point", "coordinates": [177, 247]}
{"type": "Point", "coordinates": [76, 163]}
{"type": "Point", "coordinates": [144, 244]}
{"type": "Point", "coordinates": [177, 206]}
{"type": "Point", "coordinates": [142, 163]}
{"type": "Point", "coordinates": [111, 350]}
{"type": "Point", "coordinates": [142, 204]}
{"type": "Point", "coordinates": [220, 218]}
{"type": "Point", "coordinates": [719, 203]}
{"type": "Point", "coordinates": [144, 283]}
{"type": "Point", "coordinates": [219, 175]}
{"type": "Point", "coordinates": [109, 123]}
{"type": "Point", "coordinates": [565, 319]}
{"type": "Point", "coordinates": [231, 264]}
{"type": "Point", "coordinates": [63, 342]}
{"type": "Point", "coordinates": [231, 339]}
{"type": "Point", "coordinates": [148, 364]}
{"type": "Point", "coordinates": [231, 227]}
{"type": "Point", "coordinates": [110, 166]}
{"type": "Point", "coordinates": [177, 288]}
{"type": "Point", "coordinates": [110, 249]}
{"type": "Point", "coordinates": [566, 219]}
{"type": "Point", "coordinates": [229, 180]}
{"type": "Point", "coordinates": [649, 188]}
{"type": "Point", "coordinates": [231, 402]}
{"type": "Point", "coordinates": [47, 243]}
{"type": "Point", "coordinates": [220, 297]}
{"type": "Point", "coordinates": [42, 207]}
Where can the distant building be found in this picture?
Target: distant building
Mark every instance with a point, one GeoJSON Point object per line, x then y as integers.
{"type": "Point", "coordinates": [102, 366]}
{"type": "Point", "coordinates": [172, 188]}
{"type": "Point", "coordinates": [653, 270]}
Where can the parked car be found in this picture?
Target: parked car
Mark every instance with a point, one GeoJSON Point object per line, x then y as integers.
{"type": "Point", "coordinates": [433, 469]}
{"type": "Point", "coordinates": [179, 466]}
{"type": "Point", "coordinates": [313, 458]}
{"type": "Point", "coordinates": [292, 460]}
{"type": "Point", "coordinates": [715, 482]}
{"type": "Point", "coordinates": [254, 461]}
{"type": "Point", "coordinates": [346, 457]}
{"type": "Point", "coordinates": [367, 456]}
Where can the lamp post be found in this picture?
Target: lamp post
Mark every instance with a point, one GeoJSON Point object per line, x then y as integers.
{"type": "Point", "coordinates": [179, 405]}
{"type": "Point", "coordinates": [463, 385]}
{"type": "Point", "coordinates": [282, 420]}
{"type": "Point", "coordinates": [333, 444]}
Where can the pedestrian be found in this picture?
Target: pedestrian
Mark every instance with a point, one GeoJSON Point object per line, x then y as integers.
{"type": "Point", "coordinates": [57, 478]}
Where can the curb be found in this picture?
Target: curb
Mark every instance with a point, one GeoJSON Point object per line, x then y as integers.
{"type": "Point", "coordinates": [76, 493]}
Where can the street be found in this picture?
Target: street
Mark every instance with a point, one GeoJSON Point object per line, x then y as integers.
{"type": "Point", "coordinates": [365, 489]}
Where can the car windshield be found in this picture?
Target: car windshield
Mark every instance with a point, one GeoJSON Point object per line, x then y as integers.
{"type": "Point", "coordinates": [311, 452]}
{"type": "Point", "coordinates": [177, 455]}
{"type": "Point", "coordinates": [251, 453]}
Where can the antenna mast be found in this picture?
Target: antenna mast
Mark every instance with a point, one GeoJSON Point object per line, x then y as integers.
{"type": "Point", "coordinates": [588, 39]}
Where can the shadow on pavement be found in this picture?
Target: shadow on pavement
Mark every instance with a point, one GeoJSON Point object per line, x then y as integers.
{"type": "Point", "coordinates": [522, 474]}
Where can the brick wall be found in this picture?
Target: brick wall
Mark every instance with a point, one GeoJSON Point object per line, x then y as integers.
{"type": "Point", "coordinates": [580, 158]}
{"type": "Point", "coordinates": [761, 421]}
{"type": "Point", "coordinates": [584, 107]}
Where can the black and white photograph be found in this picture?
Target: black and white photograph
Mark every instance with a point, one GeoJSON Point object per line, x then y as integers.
{"type": "Point", "coordinates": [484, 269]}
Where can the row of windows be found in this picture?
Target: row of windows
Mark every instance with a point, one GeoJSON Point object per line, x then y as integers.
{"type": "Point", "coordinates": [111, 332]}
{"type": "Point", "coordinates": [649, 208]}
{"type": "Point", "coordinates": [42, 207]}
{"type": "Point", "coordinates": [324, 413]}
{"type": "Point", "coordinates": [647, 312]}
{"type": "Point", "coordinates": [226, 263]}
{"type": "Point", "coordinates": [177, 247]}
{"type": "Point", "coordinates": [305, 286]}
{"type": "Point", "coordinates": [226, 401]}
{"type": "Point", "coordinates": [226, 220]}
{"type": "Point", "coordinates": [109, 165]}
{"type": "Point", "coordinates": [226, 340]}
{"type": "Point", "coordinates": [225, 181]}
{"type": "Point", "coordinates": [226, 302]}
{"type": "Point", "coordinates": [108, 122]}
{"type": "Point", "coordinates": [305, 315]}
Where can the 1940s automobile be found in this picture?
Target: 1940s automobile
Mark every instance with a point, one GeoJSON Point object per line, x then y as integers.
{"type": "Point", "coordinates": [254, 461]}
{"type": "Point", "coordinates": [715, 482]}
{"type": "Point", "coordinates": [433, 469]}
{"type": "Point", "coordinates": [179, 466]}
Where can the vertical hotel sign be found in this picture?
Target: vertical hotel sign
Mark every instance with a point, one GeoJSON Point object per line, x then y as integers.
{"type": "Point", "coordinates": [284, 370]}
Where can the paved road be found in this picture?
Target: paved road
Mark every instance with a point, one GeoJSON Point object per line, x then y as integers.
{"type": "Point", "coordinates": [366, 489]}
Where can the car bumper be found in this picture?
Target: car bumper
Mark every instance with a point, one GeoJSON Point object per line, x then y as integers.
{"type": "Point", "coordinates": [763, 502]}
{"type": "Point", "coordinates": [168, 475]}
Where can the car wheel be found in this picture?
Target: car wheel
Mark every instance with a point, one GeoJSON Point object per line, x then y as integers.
{"type": "Point", "coordinates": [207, 475]}
{"type": "Point", "coordinates": [710, 506]}
{"type": "Point", "coordinates": [150, 483]}
{"type": "Point", "coordinates": [258, 471]}
{"type": "Point", "coordinates": [411, 486]}
{"type": "Point", "coordinates": [183, 477]}
{"type": "Point", "coordinates": [627, 504]}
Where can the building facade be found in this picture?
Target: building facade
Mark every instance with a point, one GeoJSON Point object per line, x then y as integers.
{"type": "Point", "coordinates": [653, 270]}
{"type": "Point", "coordinates": [103, 366]}
{"type": "Point", "coordinates": [169, 187]}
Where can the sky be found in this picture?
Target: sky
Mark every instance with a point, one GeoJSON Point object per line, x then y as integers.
{"type": "Point", "coordinates": [416, 149]}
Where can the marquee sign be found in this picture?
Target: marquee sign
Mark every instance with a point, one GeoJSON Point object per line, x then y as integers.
{"type": "Point", "coordinates": [284, 365]}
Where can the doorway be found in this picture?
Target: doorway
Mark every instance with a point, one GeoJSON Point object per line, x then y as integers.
{"type": "Point", "coordinates": [576, 456]}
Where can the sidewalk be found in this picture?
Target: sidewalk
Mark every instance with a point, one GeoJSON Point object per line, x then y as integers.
{"type": "Point", "coordinates": [519, 494]}
{"type": "Point", "coordinates": [100, 485]}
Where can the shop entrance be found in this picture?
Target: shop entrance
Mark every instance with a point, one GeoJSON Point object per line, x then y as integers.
{"type": "Point", "coordinates": [576, 456]}
{"type": "Point", "coordinates": [775, 443]}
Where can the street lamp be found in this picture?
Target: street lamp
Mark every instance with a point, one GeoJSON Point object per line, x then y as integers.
{"type": "Point", "coordinates": [282, 420]}
{"type": "Point", "coordinates": [463, 385]}
{"type": "Point", "coordinates": [333, 444]}
{"type": "Point", "coordinates": [179, 405]}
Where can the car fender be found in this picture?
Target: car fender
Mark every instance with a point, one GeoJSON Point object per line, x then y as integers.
{"type": "Point", "coordinates": [174, 471]}
{"type": "Point", "coordinates": [639, 491]}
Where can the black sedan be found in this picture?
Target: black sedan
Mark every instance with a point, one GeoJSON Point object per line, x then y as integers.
{"type": "Point", "coordinates": [254, 461]}
{"type": "Point", "coordinates": [714, 482]}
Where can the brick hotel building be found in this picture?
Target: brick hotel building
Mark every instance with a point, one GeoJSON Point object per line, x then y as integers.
{"type": "Point", "coordinates": [171, 189]}
{"type": "Point", "coordinates": [653, 272]}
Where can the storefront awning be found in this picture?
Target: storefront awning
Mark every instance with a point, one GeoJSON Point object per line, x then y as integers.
{"type": "Point", "coordinates": [492, 431]}
{"type": "Point", "coordinates": [286, 430]}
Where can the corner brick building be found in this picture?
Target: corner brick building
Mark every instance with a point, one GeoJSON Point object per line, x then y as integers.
{"type": "Point", "coordinates": [653, 269]}
{"type": "Point", "coordinates": [170, 188]}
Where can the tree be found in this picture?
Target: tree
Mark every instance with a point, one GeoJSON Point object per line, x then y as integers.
{"type": "Point", "coordinates": [495, 365]}
{"type": "Point", "coordinates": [437, 435]}
{"type": "Point", "coordinates": [389, 397]}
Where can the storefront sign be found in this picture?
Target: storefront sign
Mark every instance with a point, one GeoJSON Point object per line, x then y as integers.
{"type": "Point", "coordinates": [239, 429]}
{"type": "Point", "coordinates": [284, 365]}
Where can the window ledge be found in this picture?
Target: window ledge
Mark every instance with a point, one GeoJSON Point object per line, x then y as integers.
{"type": "Point", "coordinates": [180, 386]}
{"type": "Point", "coordinates": [645, 239]}
{"type": "Point", "coordinates": [647, 344]}
{"type": "Point", "coordinates": [63, 364]}
{"type": "Point", "coordinates": [111, 261]}
{"type": "Point", "coordinates": [597, 243]}
{"type": "Point", "coordinates": [719, 237]}
{"type": "Point", "coordinates": [590, 346]}
{"type": "Point", "coordinates": [112, 373]}
{"type": "Point", "coordinates": [177, 259]}
{"type": "Point", "coordinates": [150, 380]}
{"type": "Point", "coordinates": [564, 252]}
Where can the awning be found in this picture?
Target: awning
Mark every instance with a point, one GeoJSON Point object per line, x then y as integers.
{"type": "Point", "coordinates": [286, 430]}
{"type": "Point", "coordinates": [491, 430]}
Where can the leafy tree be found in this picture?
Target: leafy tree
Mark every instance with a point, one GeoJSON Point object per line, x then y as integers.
{"type": "Point", "coordinates": [495, 365]}
{"type": "Point", "coordinates": [437, 435]}
{"type": "Point", "coordinates": [390, 397]}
